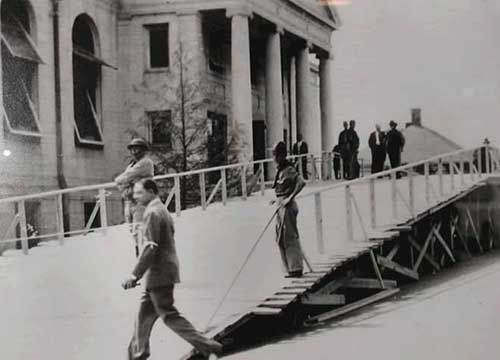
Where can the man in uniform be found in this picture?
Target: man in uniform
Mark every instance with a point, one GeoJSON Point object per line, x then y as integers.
{"type": "Point", "coordinates": [141, 167]}
{"type": "Point", "coordinates": [159, 266]}
{"type": "Point", "coordinates": [354, 147]}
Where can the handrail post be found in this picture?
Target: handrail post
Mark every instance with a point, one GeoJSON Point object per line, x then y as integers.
{"type": "Point", "coordinates": [480, 162]}
{"type": "Point", "coordinates": [452, 174]}
{"type": "Point", "coordinates": [177, 186]}
{"type": "Point", "coordinates": [471, 167]}
{"type": "Point", "coordinates": [244, 182]}
{"type": "Point", "coordinates": [394, 199]}
{"type": "Point", "coordinates": [103, 211]}
{"type": "Point", "coordinates": [440, 174]}
{"type": "Point", "coordinates": [262, 179]}
{"type": "Point", "coordinates": [60, 219]}
{"type": "Point", "coordinates": [348, 213]}
{"type": "Point", "coordinates": [411, 189]}
{"type": "Point", "coordinates": [373, 204]}
{"type": "Point", "coordinates": [319, 223]}
{"type": "Point", "coordinates": [487, 158]}
{"type": "Point", "coordinates": [341, 168]}
{"type": "Point", "coordinates": [203, 191]}
{"type": "Point", "coordinates": [21, 210]}
{"type": "Point", "coordinates": [329, 167]}
{"type": "Point", "coordinates": [224, 186]}
{"type": "Point", "coordinates": [313, 168]}
{"type": "Point", "coordinates": [300, 166]}
{"type": "Point", "coordinates": [462, 170]}
{"type": "Point", "coordinates": [427, 184]}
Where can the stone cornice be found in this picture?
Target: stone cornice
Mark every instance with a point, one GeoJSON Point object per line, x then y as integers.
{"type": "Point", "coordinates": [241, 9]}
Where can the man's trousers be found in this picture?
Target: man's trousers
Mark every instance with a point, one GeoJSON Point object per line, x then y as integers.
{"type": "Point", "coordinates": [159, 303]}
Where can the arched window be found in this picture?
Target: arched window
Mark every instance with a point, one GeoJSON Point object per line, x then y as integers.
{"type": "Point", "coordinates": [20, 60]}
{"type": "Point", "coordinates": [86, 82]}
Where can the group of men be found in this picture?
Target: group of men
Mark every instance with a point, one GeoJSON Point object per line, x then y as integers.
{"type": "Point", "coordinates": [157, 261]}
{"type": "Point", "coordinates": [381, 144]}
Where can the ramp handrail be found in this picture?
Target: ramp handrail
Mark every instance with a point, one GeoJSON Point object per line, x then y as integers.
{"type": "Point", "coordinates": [99, 212]}
{"type": "Point", "coordinates": [476, 166]}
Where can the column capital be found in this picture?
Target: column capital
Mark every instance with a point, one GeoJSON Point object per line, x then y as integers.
{"type": "Point", "coordinates": [326, 56]}
{"type": "Point", "coordinates": [242, 10]}
{"type": "Point", "coordinates": [280, 29]}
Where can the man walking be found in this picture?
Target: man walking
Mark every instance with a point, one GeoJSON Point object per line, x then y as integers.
{"type": "Point", "coordinates": [354, 147]}
{"type": "Point", "coordinates": [300, 148]}
{"type": "Point", "coordinates": [141, 167]}
{"type": "Point", "coordinates": [345, 149]}
{"type": "Point", "coordinates": [395, 144]}
{"type": "Point", "coordinates": [376, 142]}
{"type": "Point", "coordinates": [159, 266]}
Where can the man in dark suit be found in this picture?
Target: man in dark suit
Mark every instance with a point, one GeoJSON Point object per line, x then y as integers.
{"type": "Point", "coordinates": [394, 144]}
{"type": "Point", "coordinates": [345, 150]}
{"type": "Point", "coordinates": [299, 148]}
{"type": "Point", "coordinates": [354, 147]}
{"type": "Point", "coordinates": [376, 142]}
{"type": "Point", "coordinates": [159, 266]}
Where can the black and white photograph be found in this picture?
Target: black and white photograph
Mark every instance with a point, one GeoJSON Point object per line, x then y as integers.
{"type": "Point", "coordinates": [249, 179]}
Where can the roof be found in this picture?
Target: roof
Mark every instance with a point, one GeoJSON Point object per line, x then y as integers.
{"type": "Point", "coordinates": [322, 8]}
{"type": "Point", "coordinates": [421, 143]}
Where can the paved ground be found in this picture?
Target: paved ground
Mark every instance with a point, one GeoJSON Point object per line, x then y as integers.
{"type": "Point", "coordinates": [66, 302]}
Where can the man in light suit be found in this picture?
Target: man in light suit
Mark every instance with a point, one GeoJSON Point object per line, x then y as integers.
{"type": "Point", "coordinates": [159, 266]}
{"type": "Point", "coordinates": [141, 167]}
{"type": "Point", "coordinates": [376, 142]}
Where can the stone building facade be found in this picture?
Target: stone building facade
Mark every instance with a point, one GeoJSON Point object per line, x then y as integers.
{"type": "Point", "coordinates": [78, 74]}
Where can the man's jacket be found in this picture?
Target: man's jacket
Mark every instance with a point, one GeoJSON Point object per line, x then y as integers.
{"type": "Point", "coordinates": [158, 262]}
{"type": "Point", "coordinates": [135, 171]}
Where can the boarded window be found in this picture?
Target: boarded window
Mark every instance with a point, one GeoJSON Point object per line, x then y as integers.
{"type": "Point", "coordinates": [20, 60]}
{"type": "Point", "coordinates": [158, 46]}
{"type": "Point", "coordinates": [218, 48]}
{"type": "Point", "coordinates": [161, 129]}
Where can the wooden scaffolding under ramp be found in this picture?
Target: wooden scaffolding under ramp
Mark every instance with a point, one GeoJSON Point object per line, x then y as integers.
{"type": "Point", "coordinates": [424, 235]}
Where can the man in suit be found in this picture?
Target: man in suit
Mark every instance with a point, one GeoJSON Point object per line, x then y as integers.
{"type": "Point", "coordinates": [353, 139]}
{"type": "Point", "coordinates": [299, 148]}
{"type": "Point", "coordinates": [376, 142]}
{"type": "Point", "coordinates": [141, 167]}
{"type": "Point", "coordinates": [394, 144]}
{"type": "Point", "coordinates": [345, 150]}
{"type": "Point", "coordinates": [159, 266]}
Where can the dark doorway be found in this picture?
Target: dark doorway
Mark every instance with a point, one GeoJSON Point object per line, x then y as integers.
{"type": "Point", "coordinates": [88, 207]}
{"type": "Point", "coordinates": [217, 143]}
{"type": "Point", "coordinates": [259, 141]}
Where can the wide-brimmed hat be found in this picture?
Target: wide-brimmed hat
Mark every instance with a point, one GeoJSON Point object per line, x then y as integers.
{"type": "Point", "coordinates": [138, 142]}
{"type": "Point", "coordinates": [393, 123]}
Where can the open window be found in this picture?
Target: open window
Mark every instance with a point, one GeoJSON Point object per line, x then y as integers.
{"type": "Point", "coordinates": [20, 60]}
{"type": "Point", "coordinates": [87, 83]}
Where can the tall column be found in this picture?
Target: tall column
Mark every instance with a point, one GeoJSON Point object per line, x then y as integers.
{"type": "Point", "coordinates": [326, 103]}
{"type": "Point", "coordinates": [241, 88]}
{"type": "Point", "coordinates": [293, 99]}
{"type": "Point", "coordinates": [304, 96]}
{"type": "Point", "coordinates": [274, 90]}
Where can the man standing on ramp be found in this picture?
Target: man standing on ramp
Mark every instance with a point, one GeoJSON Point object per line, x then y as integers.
{"type": "Point", "coordinates": [159, 266]}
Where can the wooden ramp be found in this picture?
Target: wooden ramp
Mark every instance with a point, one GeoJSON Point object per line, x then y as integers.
{"type": "Point", "coordinates": [360, 272]}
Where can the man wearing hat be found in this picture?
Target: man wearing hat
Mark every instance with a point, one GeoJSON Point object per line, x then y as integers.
{"type": "Point", "coordinates": [140, 167]}
{"type": "Point", "coordinates": [395, 141]}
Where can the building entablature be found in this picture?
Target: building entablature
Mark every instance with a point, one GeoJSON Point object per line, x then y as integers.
{"type": "Point", "coordinates": [288, 15]}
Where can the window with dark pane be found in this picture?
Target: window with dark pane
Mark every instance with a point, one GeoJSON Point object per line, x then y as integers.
{"type": "Point", "coordinates": [158, 46]}
{"type": "Point", "coordinates": [161, 128]}
{"type": "Point", "coordinates": [86, 83]}
{"type": "Point", "coordinates": [20, 60]}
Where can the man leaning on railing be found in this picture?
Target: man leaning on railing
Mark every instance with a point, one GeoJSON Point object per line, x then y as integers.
{"type": "Point", "coordinates": [141, 167]}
